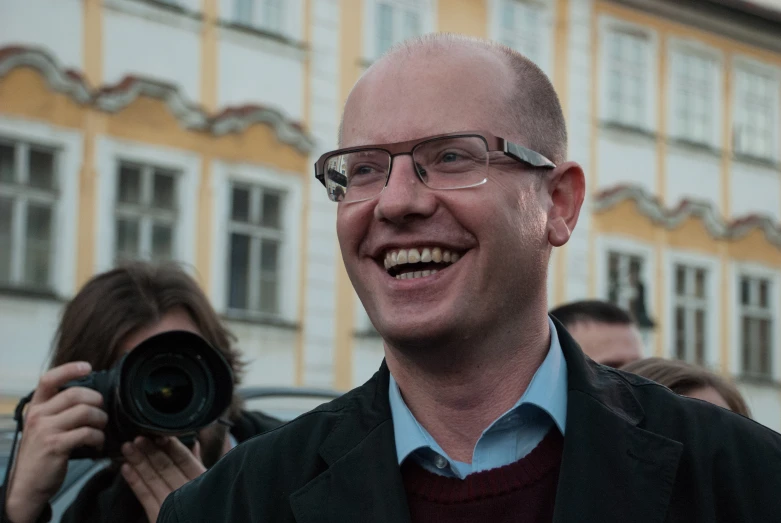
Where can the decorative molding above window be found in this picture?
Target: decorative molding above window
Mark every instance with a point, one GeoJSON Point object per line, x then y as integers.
{"type": "Point", "coordinates": [650, 206]}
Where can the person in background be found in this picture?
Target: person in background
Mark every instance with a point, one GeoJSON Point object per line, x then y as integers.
{"type": "Point", "coordinates": [111, 314]}
{"type": "Point", "coordinates": [606, 333]}
{"type": "Point", "coordinates": [693, 381]}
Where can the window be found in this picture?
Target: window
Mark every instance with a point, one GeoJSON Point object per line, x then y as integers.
{"type": "Point", "coordinates": [691, 309]}
{"type": "Point", "coordinates": [28, 199]}
{"type": "Point", "coordinates": [756, 326]}
{"type": "Point", "coordinates": [255, 240]}
{"type": "Point", "coordinates": [521, 27]}
{"type": "Point", "coordinates": [397, 20]}
{"type": "Point", "coordinates": [624, 272]}
{"type": "Point", "coordinates": [627, 78]}
{"type": "Point", "coordinates": [694, 96]}
{"type": "Point", "coordinates": [146, 212]}
{"type": "Point", "coordinates": [755, 114]}
{"type": "Point", "coordinates": [264, 14]}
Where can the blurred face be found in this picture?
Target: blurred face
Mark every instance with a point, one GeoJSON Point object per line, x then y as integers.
{"type": "Point", "coordinates": [212, 438]}
{"type": "Point", "coordinates": [614, 345]}
{"type": "Point", "coordinates": [710, 395]}
{"type": "Point", "coordinates": [492, 238]}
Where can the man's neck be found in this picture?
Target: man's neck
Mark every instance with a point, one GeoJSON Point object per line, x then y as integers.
{"type": "Point", "coordinates": [456, 402]}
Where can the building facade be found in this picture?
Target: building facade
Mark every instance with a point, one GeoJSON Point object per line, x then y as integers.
{"type": "Point", "coordinates": [187, 130]}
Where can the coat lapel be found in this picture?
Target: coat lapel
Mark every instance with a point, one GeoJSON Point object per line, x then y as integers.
{"type": "Point", "coordinates": [363, 480]}
{"type": "Point", "coordinates": [612, 469]}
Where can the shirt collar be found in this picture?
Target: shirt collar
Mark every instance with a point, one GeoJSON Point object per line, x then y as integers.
{"type": "Point", "coordinates": [547, 391]}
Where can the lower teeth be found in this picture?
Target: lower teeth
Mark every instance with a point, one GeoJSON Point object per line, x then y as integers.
{"type": "Point", "coordinates": [416, 274]}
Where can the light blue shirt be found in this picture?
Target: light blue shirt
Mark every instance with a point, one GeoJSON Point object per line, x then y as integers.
{"type": "Point", "coordinates": [509, 438]}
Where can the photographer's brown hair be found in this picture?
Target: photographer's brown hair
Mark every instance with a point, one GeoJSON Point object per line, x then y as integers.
{"type": "Point", "coordinates": [114, 304]}
{"type": "Point", "coordinates": [683, 378]}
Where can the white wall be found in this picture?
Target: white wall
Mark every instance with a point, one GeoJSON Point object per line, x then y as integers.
{"type": "Point", "coordinates": [626, 159]}
{"type": "Point", "coordinates": [367, 358]}
{"type": "Point", "coordinates": [270, 353]}
{"type": "Point", "coordinates": [147, 41]}
{"type": "Point", "coordinates": [256, 70]}
{"type": "Point", "coordinates": [56, 25]}
{"type": "Point", "coordinates": [692, 174]}
{"type": "Point", "coordinates": [27, 327]}
{"type": "Point", "coordinates": [764, 402]}
{"type": "Point", "coordinates": [755, 189]}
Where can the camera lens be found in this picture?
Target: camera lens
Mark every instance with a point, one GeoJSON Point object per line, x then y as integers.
{"type": "Point", "coordinates": [168, 390]}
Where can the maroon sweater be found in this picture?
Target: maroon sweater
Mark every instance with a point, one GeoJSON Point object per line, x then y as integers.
{"type": "Point", "coordinates": [521, 491]}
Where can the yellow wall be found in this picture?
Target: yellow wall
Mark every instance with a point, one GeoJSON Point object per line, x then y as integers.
{"type": "Point", "coordinates": [467, 17]}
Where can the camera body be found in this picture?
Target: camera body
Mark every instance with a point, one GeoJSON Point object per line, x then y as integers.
{"type": "Point", "coordinates": [174, 383]}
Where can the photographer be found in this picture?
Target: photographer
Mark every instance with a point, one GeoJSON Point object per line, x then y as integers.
{"type": "Point", "coordinates": [112, 314]}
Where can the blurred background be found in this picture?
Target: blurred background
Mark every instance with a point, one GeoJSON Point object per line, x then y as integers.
{"type": "Point", "coordinates": [187, 130]}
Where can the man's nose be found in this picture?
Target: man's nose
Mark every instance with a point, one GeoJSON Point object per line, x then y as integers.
{"type": "Point", "coordinates": [405, 197]}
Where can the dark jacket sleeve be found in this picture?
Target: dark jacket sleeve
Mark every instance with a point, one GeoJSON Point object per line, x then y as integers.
{"type": "Point", "coordinates": [250, 424]}
{"type": "Point", "coordinates": [105, 498]}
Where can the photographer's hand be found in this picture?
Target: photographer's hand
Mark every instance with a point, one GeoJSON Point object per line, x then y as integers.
{"type": "Point", "coordinates": [154, 470]}
{"type": "Point", "coordinates": [55, 424]}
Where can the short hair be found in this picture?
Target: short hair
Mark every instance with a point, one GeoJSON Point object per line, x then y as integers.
{"type": "Point", "coordinates": [683, 378]}
{"type": "Point", "coordinates": [599, 311]}
{"type": "Point", "coordinates": [536, 107]}
{"type": "Point", "coordinates": [114, 304]}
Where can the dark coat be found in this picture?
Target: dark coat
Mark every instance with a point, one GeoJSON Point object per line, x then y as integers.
{"type": "Point", "coordinates": [107, 498]}
{"type": "Point", "coordinates": [633, 451]}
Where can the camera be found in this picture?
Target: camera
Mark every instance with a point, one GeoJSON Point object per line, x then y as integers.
{"type": "Point", "coordinates": [174, 383]}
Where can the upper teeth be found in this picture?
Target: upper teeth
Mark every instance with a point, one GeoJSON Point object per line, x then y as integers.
{"type": "Point", "coordinates": [424, 255]}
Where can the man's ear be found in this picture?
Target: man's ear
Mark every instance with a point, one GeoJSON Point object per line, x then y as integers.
{"type": "Point", "coordinates": [567, 190]}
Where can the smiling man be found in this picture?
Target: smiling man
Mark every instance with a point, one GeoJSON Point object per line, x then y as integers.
{"type": "Point", "coordinates": [453, 187]}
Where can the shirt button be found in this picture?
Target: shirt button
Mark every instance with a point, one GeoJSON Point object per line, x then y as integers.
{"type": "Point", "coordinates": [440, 462]}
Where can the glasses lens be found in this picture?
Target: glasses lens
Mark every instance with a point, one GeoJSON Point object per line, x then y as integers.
{"type": "Point", "coordinates": [355, 176]}
{"type": "Point", "coordinates": [452, 162]}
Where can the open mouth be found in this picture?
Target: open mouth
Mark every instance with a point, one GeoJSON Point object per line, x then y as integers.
{"type": "Point", "coordinates": [404, 264]}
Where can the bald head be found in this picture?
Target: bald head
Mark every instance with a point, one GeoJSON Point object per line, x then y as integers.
{"type": "Point", "coordinates": [525, 105]}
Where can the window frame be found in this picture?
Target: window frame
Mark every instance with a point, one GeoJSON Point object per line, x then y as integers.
{"type": "Point", "coordinates": [291, 185]}
{"type": "Point", "coordinates": [22, 195]}
{"type": "Point", "coordinates": [713, 338]}
{"type": "Point", "coordinates": [257, 19]}
{"type": "Point", "coordinates": [544, 37]}
{"type": "Point", "coordinates": [144, 212]}
{"type": "Point", "coordinates": [110, 152]}
{"type": "Point", "coordinates": [757, 271]}
{"type": "Point", "coordinates": [747, 65]}
{"type": "Point", "coordinates": [426, 8]}
{"type": "Point", "coordinates": [65, 213]}
{"type": "Point", "coordinates": [714, 78]}
{"type": "Point", "coordinates": [648, 121]}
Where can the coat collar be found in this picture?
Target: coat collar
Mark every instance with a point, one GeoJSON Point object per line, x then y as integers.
{"type": "Point", "coordinates": [612, 469]}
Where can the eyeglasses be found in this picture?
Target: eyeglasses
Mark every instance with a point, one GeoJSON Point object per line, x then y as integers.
{"type": "Point", "coordinates": [448, 161]}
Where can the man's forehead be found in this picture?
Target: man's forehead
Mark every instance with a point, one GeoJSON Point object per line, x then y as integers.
{"type": "Point", "coordinates": [425, 95]}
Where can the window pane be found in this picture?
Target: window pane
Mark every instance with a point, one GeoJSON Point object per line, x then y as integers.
{"type": "Point", "coordinates": [680, 333]}
{"type": "Point", "coordinates": [162, 242]}
{"type": "Point", "coordinates": [745, 291]}
{"type": "Point", "coordinates": [763, 293]}
{"type": "Point", "coordinates": [7, 163]}
{"type": "Point", "coordinates": [680, 280]}
{"type": "Point", "coordinates": [38, 245]}
{"type": "Point", "coordinates": [129, 187]}
{"type": "Point", "coordinates": [411, 25]}
{"type": "Point", "coordinates": [128, 232]}
{"type": "Point", "coordinates": [163, 195]}
{"type": "Point", "coordinates": [240, 205]}
{"type": "Point", "coordinates": [269, 254]}
{"type": "Point", "coordinates": [238, 285]}
{"type": "Point", "coordinates": [271, 18]}
{"type": "Point", "coordinates": [699, 288]}
{"type": "Point", "coordinates": [41, 164]}
{"type": "Point", "coordinates": [384, 28]}
{"type": "Point", "coordinates": [699, 336]}
{"type": "Point", "coordinates": [764, 363]}
{"type": "Point", "coordinates": [271, 210]}
{"type": "Point", "coordinates": [243, 11]}
{"type": "Point", "coordinates": [746, 343]}
{"type": "Point", "coordinates": [6, 226]}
